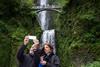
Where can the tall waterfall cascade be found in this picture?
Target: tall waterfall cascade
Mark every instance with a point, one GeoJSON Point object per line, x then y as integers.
{"type": "Point", "coordinates": [44, 19]}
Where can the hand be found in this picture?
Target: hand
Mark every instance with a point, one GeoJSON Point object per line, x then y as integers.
{"type": "Point", "coordinates": [43, 62]}
{"type": "Point", "coordinates": [41, 58]}
{"type": "Point", "coordinates": [36, 41]}
{"type": "Point", "coordinates": [26, 40]}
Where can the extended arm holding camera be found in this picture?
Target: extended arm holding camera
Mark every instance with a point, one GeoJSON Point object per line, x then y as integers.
{"type": "Point", "coordinates": [20, 54]}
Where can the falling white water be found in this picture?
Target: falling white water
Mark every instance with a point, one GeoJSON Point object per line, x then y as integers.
{"type": "Point", "coordinates": [43, 2]}
{"type": "Point", "coordinates": [49, 36]}
{"type": "Point", "coordinates": [43, 18]}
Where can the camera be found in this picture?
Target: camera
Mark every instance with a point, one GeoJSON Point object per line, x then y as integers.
{"type": "Point", "coordinates": [32, 37]}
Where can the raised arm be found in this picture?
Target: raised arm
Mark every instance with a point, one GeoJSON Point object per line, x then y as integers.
{"type": "Point", "coordinates": [20, 53]}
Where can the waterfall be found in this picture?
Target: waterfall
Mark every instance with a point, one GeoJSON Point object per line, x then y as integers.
{"type": "Point", "coordinates": [43, 2]}
{"type": "Point", "coordinates": [42, 16]}
{"type": "Point", "coordinates": [49, 36]}
{"type": "Point", "coordinates": [44, 21]}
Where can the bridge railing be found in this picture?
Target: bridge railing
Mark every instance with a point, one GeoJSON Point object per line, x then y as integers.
{"type": "Point", "coordinates": [46, 7]}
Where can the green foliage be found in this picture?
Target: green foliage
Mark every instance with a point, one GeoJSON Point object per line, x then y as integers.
{"type": "Point", "coordinates": [62, 2]}
{"type": "Point", "coordinates": [4, 46]}
{"type": "Point", "coordinates": [78, 27]}
{"type": "Point", "coordinates": [77, 31]}
{"type": "Point", "coordinates": [15, 22]}
{"type": "Point", "coordinates": [93, 64]}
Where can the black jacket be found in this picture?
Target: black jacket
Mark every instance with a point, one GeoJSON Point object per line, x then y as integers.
{"type": "Point", "coordinates": [27, 60]}
{"type": "Point", "coordinates": [52, 60]}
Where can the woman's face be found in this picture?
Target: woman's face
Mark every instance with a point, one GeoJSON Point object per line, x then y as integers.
{"type": "Point", "coordinates": [47, 49]}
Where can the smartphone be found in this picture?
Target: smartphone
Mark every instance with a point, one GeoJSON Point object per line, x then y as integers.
{"type": "Point", "coordinates": [32, 37]}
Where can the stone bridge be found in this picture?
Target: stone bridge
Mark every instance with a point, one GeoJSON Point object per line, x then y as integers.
{"type": "Point", "coordinates": [47, 8]}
